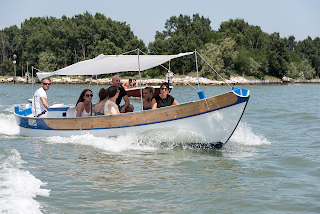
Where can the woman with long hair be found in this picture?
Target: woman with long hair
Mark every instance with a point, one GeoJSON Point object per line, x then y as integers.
{"type": "Point", "coordinates": [84, 104]}
{"type": "Point", "coordinates": [147, 94]}
{"type": "Point", "coordinates": [99, 107]}
{"type": "Point", "coordinates": [111, 107]}
{"type": "Point", "coordinates": [163, 99]}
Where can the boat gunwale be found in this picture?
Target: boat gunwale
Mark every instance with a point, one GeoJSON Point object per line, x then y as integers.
{"type": "Point", "coordinates": [141, 112]}
{"type": "Point", "coordinates": [104, 117]}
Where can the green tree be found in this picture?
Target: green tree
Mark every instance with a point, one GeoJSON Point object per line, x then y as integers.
{"type": "Point", "coordinates": [134, 44]}
{"type": "Point", "coordinates": [196, 28]}
{"type": "Point", "coordinates": [254, 37]}
{"type": "Point", "coordinates": [310, 49]}
{"type": "Point", "coordinates": [242, 62]}
{"type": "Point", "coordinates": [291, 43]}
{"type": "Point", "coordinates": [253, 67]}
{"type": "Point", "coordinates": [6, 68]}
{"type": "Point", "coordinates": [47, 62]}
{"type": "Point", "coordinates": [307, 71]}
{"type": "Point", "coordinates": [213, 55]}
{"type": "Point", "coordinates": [293, 71]}
{"type": "Point", "coordinates": [4, 46]}
{"type": "Point", "coordinates": [278, 56]}
{"type": "Point", "coordinates": [182, 34]}
{"type": "Point", "coordinates": [245, 64]}
{"type": "Point", "coordinates": [234, 29]}
{"type": "Point", "coordinates": [227, 48]}
{"type": "Point", "coordinates": [68, 39]}
{"type": "Point", "coordinates": [105, 47]}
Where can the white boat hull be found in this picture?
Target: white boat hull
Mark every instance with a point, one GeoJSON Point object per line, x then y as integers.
{"type": "Point", "coordinates": [215, 126]}
{"type": "Point", "coordinates": [213, 119]}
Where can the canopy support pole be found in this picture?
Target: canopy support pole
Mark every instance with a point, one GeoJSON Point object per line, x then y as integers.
{"type": "Point", "coordinates": [32, 81]}
{"type": "Point", "coordinates": [140, 81]}
{"type": "Point", "coordinates": [97, 84]}
{"type": "Point", "coordinates": [33, 98]}
{"type": "Point", "coordinates": [195, 53]}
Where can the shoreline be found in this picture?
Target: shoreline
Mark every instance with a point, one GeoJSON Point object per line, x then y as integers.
{"type": "Point", "coordinates": [175, 81]}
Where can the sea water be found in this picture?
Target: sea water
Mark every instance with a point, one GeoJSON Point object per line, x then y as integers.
{"type": "Point", "coordinates": [270, 164]}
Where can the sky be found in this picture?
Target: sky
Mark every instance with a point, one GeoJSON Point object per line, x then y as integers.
{"type": "Point", "coordinates": [299, 18]}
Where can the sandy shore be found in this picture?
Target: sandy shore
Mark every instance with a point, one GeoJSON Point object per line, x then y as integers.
{"type": "Point", "coordinates": [175, 81]}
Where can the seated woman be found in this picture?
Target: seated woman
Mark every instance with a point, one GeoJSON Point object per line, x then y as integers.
{"type": "Point", "coordinates": [84, 104]}
{"type": "Point", "coordinates": [147, 95]}
{"type": "Point", "coordinates": [111, 107]}
{"type": "Point", "coordinates": [163, 99]}
{"type": "Point", "coordinates": [99, 107]}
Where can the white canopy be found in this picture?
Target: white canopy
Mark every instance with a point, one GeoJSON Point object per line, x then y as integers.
{"type": "Point", "coordinates": [104, 64]}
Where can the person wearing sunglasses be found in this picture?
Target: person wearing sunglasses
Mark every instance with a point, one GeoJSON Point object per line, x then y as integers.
{"type": "Point", "coordinates": [84, 104]}
{"type": "Point", "coordinates": [39, 100]}
{"type": "Point", "coordinates": [163, 99]}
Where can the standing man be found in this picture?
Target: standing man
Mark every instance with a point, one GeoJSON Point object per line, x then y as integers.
{"type": "Point", "coordinates": [127, 107]}
{"type": "Point", "coordinates": [39, 101]}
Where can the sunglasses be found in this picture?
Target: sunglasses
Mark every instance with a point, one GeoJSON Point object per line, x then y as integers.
{"type": "Point", "coordinates": [164, 89]}
{"type": "Point", "coordinates": [46, 83]}
{"type": "Point", "coordinates": [89, 95]}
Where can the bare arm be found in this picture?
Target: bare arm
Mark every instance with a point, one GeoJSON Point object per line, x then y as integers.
{"type": "Point", "coordinates": [153, 104]}
{"type": "Point", "coordinates": [126, 103]}
{"type": "Point", "coordinates": [175, 102]}
{"type": "Point", "coordinates": [44, 102]}
{"type": "Point", "coordinates": [112, 109]}
{"type": "Point", "coordinates": [125, 85]}
{"type": "Point", "coordinates": [80, 108]}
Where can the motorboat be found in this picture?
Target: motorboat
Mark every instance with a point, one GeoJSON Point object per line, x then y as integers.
{"type": "Point", "coordinates": [214, 118]}
{"type": "Point", "coordinates": [287, 80]}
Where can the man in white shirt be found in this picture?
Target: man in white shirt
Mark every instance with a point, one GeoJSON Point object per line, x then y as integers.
{"type": "Point", "coordinates": [39, 101]}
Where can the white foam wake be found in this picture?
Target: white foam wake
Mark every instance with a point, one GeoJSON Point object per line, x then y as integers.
{"type": "Point", "coordinates": [112, 144]}
{"type": "Point", "coordinates": [8, 125]}
{"type": "Point", "coordinates": [150, 140]}
{"type": "Point", "coordinates": [18, 187]}
{"type": "Point", "coordinates": [154, 139]}
{"type": "Point", "coordinates": [245, 136]}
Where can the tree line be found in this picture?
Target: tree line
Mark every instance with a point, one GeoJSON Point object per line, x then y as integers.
{"type": "Point", "coordinates": [236, 47]}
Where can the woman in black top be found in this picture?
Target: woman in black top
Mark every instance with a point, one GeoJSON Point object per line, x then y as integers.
{"type": "Point", "coordinates": [163, 99]}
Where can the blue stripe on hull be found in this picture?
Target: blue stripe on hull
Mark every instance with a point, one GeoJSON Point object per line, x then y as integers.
{"type": "Point", "coordinates": [33, 123]}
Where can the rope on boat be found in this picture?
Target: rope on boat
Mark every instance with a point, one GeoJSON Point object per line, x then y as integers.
{"type": "Point", "coordinates": [37, 69]}
{"type": "Point", "coordinates": [187, 82]}
{"type": "Point", "coordinates": [196, 52]}
{"type": "Point", "coordinates": [214, 70]}
{"type": "Point", "coordinates": [131, 51]}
